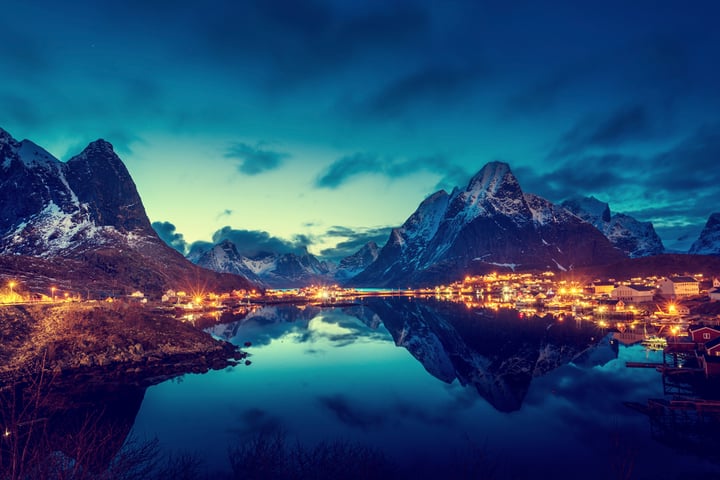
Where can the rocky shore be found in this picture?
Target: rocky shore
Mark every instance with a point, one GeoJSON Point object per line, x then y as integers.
{"type": "Point", "coordinates": [127, 342]}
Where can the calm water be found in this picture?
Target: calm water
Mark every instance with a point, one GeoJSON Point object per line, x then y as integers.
{"type": "Point", "coordinates": [429, 384]}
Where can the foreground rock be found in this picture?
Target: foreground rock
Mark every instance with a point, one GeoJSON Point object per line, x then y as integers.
{"type": "Point", "coordinates": [129, 342]}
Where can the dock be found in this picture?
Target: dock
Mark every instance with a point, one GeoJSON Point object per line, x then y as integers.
{"type": "Point", "coordinates": [655, 365]}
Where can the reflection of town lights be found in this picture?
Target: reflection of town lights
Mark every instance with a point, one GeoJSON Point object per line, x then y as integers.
{"type": "Point", "coordinates": [6, 433]}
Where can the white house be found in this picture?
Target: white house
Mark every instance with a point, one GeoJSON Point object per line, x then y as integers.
{"type": "Point", "coordinates": [633, 293]}
{"type": "Point", "coordinates": [675, 287]}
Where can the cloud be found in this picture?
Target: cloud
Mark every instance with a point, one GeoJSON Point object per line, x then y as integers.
{"type": "Point", "coordinates": [255, 159]}
{"type": "Point", "coordinates": [350, 414]}
{"type": "Point", "coordinates": [349, 166]}
{"type": "Point", "coordinates": [168, 234]}
{"type": "Point", "coordinates": [430, 85]}
{"type": "Point", "coordinates": [629, 123]}
{"type": "Point", "coordinates": [253, 242]}
{"type": "Point", "coordinates": [225, 213]}
{"type": "Point", "coordinates": [673, 187]}
{"type": "Point", "coordinates": [293, 42]}
{"type": "Point", "coordinates": [355, 239]}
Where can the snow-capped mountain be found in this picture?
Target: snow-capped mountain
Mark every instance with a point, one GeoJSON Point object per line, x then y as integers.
{"type": "Point", "coordinates": [350, 266]}
{"type": "Point", "coordinates": [488, 224]}
{"type": "Point", "coordinates": [497, 354]}
{"type": "Point", "coordinates": [708, 243]}
{"type": "Point", "coordinates": [282, 270]}
{"type": "Point", "coordinates": [83, 219]}
{"type": "Point", "coordinates": [275, 270]}
{"type": "Point", "coordinates": [635, 238]}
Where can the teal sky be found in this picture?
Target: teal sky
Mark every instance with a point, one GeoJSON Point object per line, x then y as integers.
{"type": "Point", "coordinates": [323, 123]}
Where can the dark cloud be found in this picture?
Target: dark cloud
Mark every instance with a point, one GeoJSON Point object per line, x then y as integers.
{"type": "Point", "coordinates": [626, 124]}
{"type": "Point", "coordinates": [20, 110]}
{"type": "Point", "coordinates": [252, 242]}
{"type": "Point", "coordinates": [351, 414]}
{"type": "Point", "coordinates": [431, 85]}
{"type": "Point", "coordinates": [355, 239]}
{"type": "Point", "coordinates": [691, 165]}
{"type": "Point", "coordinates": [198, 247]}
{"type": "Point", "coordinates": [349, 166]}
{"type": "Point", "coordinates": [296, 41]}
{"type": "Point", "coordinates": [168, 234]}
{"type": "Point", "coordinates": [653, 187]}
{"type": "Point", "coordinates": [255, 159]}
{"type": "Point", "coordinates": [225, 213]}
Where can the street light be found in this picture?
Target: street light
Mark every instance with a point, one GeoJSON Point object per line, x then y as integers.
{"type": "Point", "coordinates": [52, 289]}
{"type": "Point", "coordinates": [12, 284]}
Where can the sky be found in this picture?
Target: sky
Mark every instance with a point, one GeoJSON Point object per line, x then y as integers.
{"type": "Point", "coordinates": [323, 124]}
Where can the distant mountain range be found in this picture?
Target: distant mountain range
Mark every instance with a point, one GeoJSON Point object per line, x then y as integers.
{"type": "Point", "coordinates": [81, 225]}
{"type": "Point", "coordinates": [490, 224]}
{"type": "Point", "coordinates": [283, 270]}
{"type": "Point", "coordinates": [634, 238]}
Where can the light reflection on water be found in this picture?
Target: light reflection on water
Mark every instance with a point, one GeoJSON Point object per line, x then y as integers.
{"type": "Point", "coordinates": [423, 382]}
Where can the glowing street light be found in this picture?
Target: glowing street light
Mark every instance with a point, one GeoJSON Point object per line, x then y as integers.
{"type": "Point", "coordinates": [52, 289]}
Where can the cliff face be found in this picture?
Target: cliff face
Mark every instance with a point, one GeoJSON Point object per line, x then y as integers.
{"type": "Point", "coordinates": [490, 223]}
{"type": "Point", "coordinates": [83, 223]}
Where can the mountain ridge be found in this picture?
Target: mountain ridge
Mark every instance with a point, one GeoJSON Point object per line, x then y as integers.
{"type": "Point", "coordinates": [86, 215]}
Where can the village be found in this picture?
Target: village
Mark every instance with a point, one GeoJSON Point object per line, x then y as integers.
{"type": "Point", "coordinates": [678, 313]}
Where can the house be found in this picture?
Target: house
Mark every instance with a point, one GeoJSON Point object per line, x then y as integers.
{"type": "Point", "coordinates": [712, 348]}
{"type": "Point", "coordinates": [675, 287]}
{"type": "Point", "coordinates": [610, 306]}
{"type": "Point", "coordinates": [714, 295]}
{"type": "Point", "coordinates": [702, 334]}
{"type": "Point", "coordinates": [602, 288]}
{"type": "Point", "coordinates": [633, 293]}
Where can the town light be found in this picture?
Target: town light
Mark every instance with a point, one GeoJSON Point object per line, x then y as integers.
{"type": "Point", "coordinates": [52, 290]}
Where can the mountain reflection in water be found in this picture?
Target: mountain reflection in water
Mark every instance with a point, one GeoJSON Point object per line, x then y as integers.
{"type": "Point", "coordinates": [509, 395]}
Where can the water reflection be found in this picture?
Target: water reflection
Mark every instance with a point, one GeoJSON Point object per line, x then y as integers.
{"type": "Point", "coordinates": [50, 426]}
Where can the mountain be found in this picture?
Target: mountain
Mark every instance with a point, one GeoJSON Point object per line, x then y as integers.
{"type": "Point", "coordinates": [283, 270]}
{"type": "Point", "coordinates": [81, 225]}
{"type": "Point", "coordinates": [708, 243]}
{"type": "Point", "coordinates": [489, 224]}
{"type": "Point", "coordinates": [497, 354]}
{"type": "Point", "coordinates": [351, 265]}
{"type": "Point", "coordinates": [275, 270]}
{"type": "Point", "coordinates": [635, 238]}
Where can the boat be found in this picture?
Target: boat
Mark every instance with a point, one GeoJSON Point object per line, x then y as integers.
{"type": "Point", "coordinates": [653, 342]}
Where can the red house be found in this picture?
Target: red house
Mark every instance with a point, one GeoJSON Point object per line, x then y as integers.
{"type": "Point", "coordinates": [712, 348]}
{"type": "Point", "coordinates": [702, 334]}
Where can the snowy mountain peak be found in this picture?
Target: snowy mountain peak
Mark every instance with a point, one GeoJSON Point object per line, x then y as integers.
{"type": "Point", "coordinates": [637, 239]}
{"type": "Point", "coordinates": [708, 243]}
{"type": "Point", "coordinates": [589, 209]}
{"type": "Point", "coordinates": [5, 137]}
{"type": "Point", "coordinates": [491, 178]}
{"type": "Point", "coordinates": [32, 154]}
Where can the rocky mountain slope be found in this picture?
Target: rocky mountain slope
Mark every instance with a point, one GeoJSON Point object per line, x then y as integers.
{"type": "Point", "coordinates": [283, 270]}
{"type": "Point", "coordinates": [497, 354]}
{"type": "Point", "coordinates": [81, 225]}
{"type": "Point", "coordinates": [274, 270]}
{"type": "Point", "coordinates": [708, 243]}
{"type": "Point", "coordinates": [635, 238]}
{"type": "Point", "coordinates": [491, 223]}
